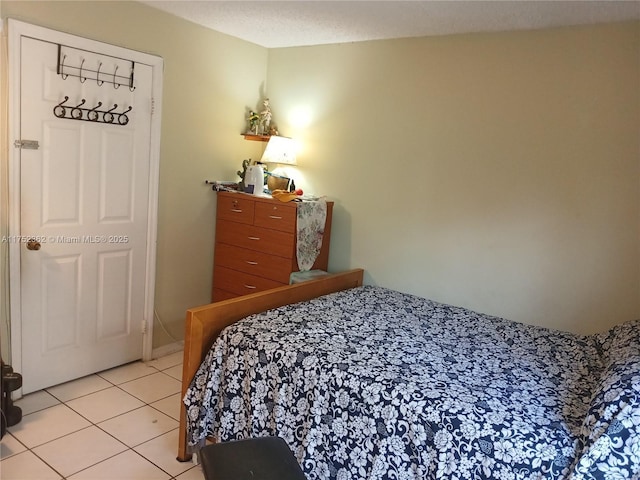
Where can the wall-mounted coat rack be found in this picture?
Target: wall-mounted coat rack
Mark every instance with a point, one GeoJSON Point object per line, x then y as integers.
{"type": "Point", "coordinates": [91, 114]}
{"type": "Point", "coordinates": [84, 72]}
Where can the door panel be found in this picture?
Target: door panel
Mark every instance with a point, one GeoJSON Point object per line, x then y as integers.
{"type": "Point", "coordinates": [61, 174]}
{"type": "Point", "coordinates": [114, 294]}
{"type": "Point", "coordinates": [60, 301]}
{"type": "Point", "coordinates": [117, 163]}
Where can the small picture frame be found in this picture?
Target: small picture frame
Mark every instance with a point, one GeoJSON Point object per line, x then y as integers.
{"type": "Point", "coordinates": [277, 182]}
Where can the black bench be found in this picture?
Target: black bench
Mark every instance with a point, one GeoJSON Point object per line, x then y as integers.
{"type": "Point", "coordinates": [266, 458]}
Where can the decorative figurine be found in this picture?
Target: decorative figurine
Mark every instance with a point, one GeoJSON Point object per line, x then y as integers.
{"type": "Point", "coordinates": [254, 122]}
{"type": "Point", "coordinates": [265, 117]}
{"type": "Point", "coordinates": [241, 174]}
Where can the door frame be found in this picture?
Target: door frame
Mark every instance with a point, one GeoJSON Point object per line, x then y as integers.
{"type": "Point", "coordinates": [17, 30]}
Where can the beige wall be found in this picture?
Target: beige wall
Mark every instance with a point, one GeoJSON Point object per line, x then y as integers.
{"type": "Point", "coordinates": [496, 171]}
{"type": "Point", "coordinates": [209, 80]}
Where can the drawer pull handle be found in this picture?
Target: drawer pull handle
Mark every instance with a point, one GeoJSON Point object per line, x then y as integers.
{"type": "Point", "coordinates": [250, 262]}
{"type": "Point", "coordinates": [236, 210]}
{"type": "Point", "coordinates": [253, 238]}
{"type": "Point", "coordinates": [251, 287]}
{"type": "Point", "coordinates": [275, 217]}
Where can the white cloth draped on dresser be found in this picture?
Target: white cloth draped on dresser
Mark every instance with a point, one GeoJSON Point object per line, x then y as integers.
{"type": "Point", "coordinates": [310, 230]}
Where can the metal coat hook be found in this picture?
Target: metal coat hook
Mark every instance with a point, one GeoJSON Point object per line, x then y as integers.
{"type": "Point", "coordinates": [93, 114]}
{"type": "Point", "coordinates": [60, 111]}
{"type": "Point", "coordinates": [108, 116]}
{"type": "Point", "coordinates": [122, 118]}
{"type": "Point", "coordinates": [116, 85]}
{"type": "Point", "coordinates": [76, 112]}
{"type": "Point", "coordinates": [62, 74]}
{"type": "Point", "coordinates": [98, 81]}
{"type": "Point", "coordinates": [82, 79]}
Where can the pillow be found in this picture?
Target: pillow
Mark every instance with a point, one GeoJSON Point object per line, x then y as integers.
{"type": "Point", "coordinates": [610, 433]}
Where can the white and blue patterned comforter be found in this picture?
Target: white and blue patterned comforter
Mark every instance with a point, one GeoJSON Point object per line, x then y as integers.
{"type": "Point", "coordinates": [371, 383]}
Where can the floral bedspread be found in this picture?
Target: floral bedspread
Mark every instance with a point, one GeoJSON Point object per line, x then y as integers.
{"type": "Point", "coordinates": [371, 383]}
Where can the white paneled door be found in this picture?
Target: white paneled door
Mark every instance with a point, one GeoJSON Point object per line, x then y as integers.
{"type": "Point", "coordinates": [84, 212]}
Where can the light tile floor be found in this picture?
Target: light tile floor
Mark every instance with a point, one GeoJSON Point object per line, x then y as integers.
{"type": "Point", "coordinates": [118, 424]}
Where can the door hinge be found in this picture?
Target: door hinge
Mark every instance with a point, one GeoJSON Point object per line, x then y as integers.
{"type": "Point", "coordinates": [143, 327]}
{"type": "Point", "coordinates": [153, 106]}
{"type": "Point", "coordinates": [27, 144]}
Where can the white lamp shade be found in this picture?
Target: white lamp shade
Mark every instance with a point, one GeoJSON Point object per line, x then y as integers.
{"type": "Point", "coordinates": [280, 150]}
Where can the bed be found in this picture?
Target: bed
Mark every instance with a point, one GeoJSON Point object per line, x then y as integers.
{"type": "Point", "coordinates": [365, 382]}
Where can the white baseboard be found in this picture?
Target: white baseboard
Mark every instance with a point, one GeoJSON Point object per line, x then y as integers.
{"type": "Point", "coordinates": [165, 350]}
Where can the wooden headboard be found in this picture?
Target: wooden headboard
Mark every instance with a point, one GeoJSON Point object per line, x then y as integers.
{"type": "Point", "coordinates": [204, 324]}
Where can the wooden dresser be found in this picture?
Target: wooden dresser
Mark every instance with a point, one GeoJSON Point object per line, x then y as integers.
{"type": "Point", "coordinates": [255, 246]}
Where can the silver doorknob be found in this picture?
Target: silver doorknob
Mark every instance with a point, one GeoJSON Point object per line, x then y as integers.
{"type": "Point", "coordinates": [33, 245]}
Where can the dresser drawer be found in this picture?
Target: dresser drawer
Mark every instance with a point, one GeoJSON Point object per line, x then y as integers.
{"type": "Point", "coordinates": [256, 238]}
{"type": "Point", "coordinates": [253, 262]}
{"type": "Point", "coordinates": [241, 283]}
{"type": "Point", "coordinates": [236, 208]}
{"type": "Point", "coordinates": [278, 217]}
{"type": "Point", "coordinates": [219, 295]}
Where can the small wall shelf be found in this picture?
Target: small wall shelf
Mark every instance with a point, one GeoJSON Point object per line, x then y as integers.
{"type": "Point", "coordinates": [256, 138]}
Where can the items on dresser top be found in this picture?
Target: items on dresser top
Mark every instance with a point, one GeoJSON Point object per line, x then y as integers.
{"type": "Point", "coordinates": [257, 239]}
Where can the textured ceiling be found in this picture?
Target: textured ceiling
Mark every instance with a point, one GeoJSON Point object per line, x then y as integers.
{"type": "Point", "coordinates": [274, 24]}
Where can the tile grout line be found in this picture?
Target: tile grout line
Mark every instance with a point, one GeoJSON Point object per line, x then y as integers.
{"type": "Point", "coordinates": [91, 423]}
{"type": "Point", "coordinates": [131, 448]}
